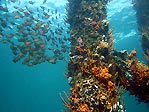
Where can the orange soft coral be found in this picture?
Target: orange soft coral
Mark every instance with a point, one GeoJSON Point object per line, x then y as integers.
{"type": "Point", "coordinates": [95, 70]}
{"type": "Point", "coordinates": [104, 74]}
{"type": "Point", "coordinates": [139, 83]}
{"type": "Point", "coordinates": [79, 49]}
{"type": "Point", "coordinates": [83, 108]}
{"type": "Point", "coordinates": [111, 85]}
{"type": "Point", "coordinates": [139, 70]}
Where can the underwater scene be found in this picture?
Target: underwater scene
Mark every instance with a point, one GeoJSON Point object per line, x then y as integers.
{"type": "Point", "coordinates": [74, 55]}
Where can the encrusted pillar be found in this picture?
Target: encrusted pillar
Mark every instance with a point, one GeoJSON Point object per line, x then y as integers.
{"type": "Point", "coordinates": [91, 70]}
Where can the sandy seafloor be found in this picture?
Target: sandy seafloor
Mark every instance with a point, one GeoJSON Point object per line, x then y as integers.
{"type": "Point", "coordinates": [36, 89]}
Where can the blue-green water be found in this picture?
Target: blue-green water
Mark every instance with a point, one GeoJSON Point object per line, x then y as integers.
{"type": "Point", "coordinates": [30, 89]}
{"type": "Point", "coordinates": [36, 89]}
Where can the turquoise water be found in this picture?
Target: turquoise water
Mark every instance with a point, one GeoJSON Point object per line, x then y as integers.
{"type": "Point", "coordinates": [36, 89]}
{"type": "Point", "coordinates": [30, 89]}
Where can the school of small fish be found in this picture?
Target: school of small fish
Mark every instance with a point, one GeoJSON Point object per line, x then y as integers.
{"type": "Point", "coordinates": [33, 33]}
